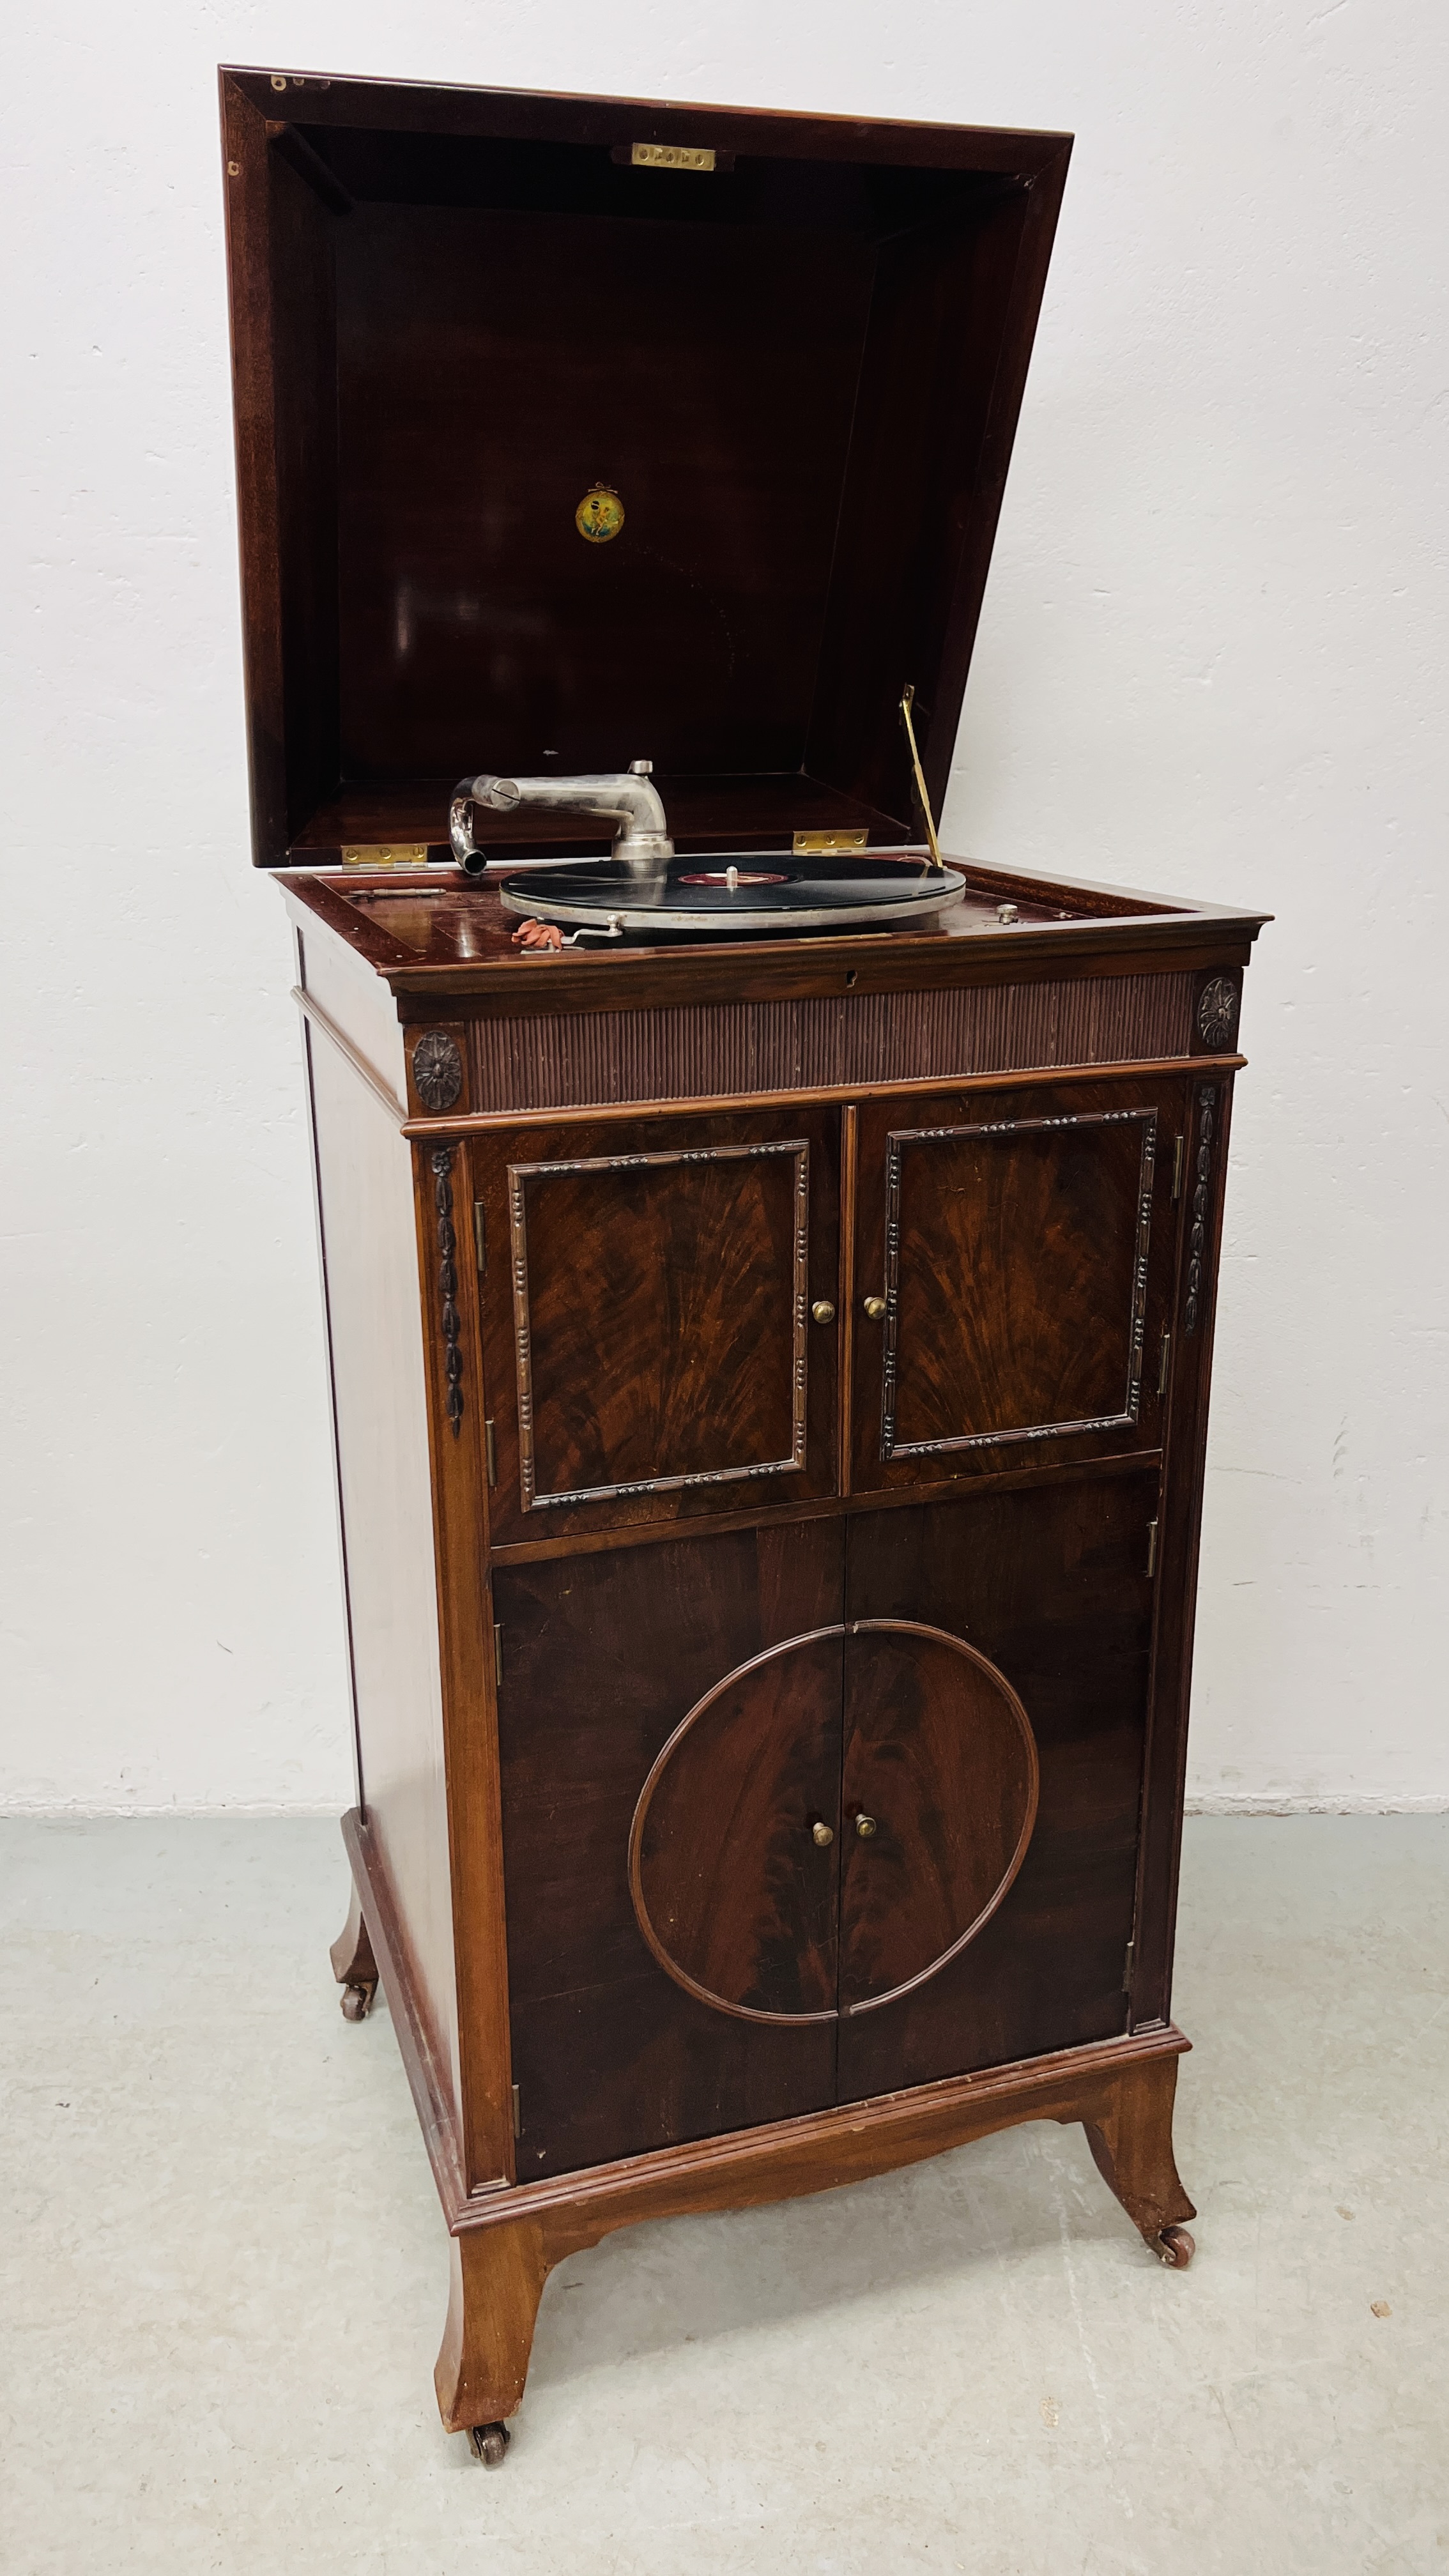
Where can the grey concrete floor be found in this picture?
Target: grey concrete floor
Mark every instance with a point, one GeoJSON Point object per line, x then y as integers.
{"type": "Point", "coordinates": [224, 2270]}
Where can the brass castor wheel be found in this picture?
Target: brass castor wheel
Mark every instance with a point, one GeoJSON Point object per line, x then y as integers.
{"type": "Point", "coordinates": [1175, 2248]}
{"type": "Point", "coordinates": [490, 2442]}
{"type": "Point", "coordinates": [357, 2002]}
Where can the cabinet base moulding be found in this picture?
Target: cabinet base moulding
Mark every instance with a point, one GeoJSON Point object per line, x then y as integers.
{"type": "Point", "coordinates": [506, 2237]}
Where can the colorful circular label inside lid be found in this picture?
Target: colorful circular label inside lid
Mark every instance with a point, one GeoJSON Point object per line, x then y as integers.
{"type": "Point", "coordinates": [600, 514]}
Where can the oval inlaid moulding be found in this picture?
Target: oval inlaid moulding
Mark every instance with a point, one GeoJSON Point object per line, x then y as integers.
{"type": "Point", "coordinates": [754, 1912]}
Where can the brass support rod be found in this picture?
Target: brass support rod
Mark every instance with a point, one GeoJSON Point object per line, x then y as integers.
{"type": "Point", "coordinates": [908, 699]}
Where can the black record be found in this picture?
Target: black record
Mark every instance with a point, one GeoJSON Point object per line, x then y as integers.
{"type": "Point", "coordinates": [754, 893]}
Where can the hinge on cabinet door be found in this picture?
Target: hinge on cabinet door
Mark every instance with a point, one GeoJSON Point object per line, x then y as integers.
{"type": "Point", "coordinates": [1164, 1364]}
{"type": "Point", "coordinates": [1151, 1548]}
{"type": "Point", "coordinates": [498, 1647]}
{"type": "Point", "coordinates": [490, 1451]}
{"type": "Point", "coordinates": [518, 2112]}
{"type": "Point", "coordinates": [1177, 1168]}
{"type": "Point", "coordinates": [1126, 1978]}
{"type": "Point", "coordinates": [480, 1236]}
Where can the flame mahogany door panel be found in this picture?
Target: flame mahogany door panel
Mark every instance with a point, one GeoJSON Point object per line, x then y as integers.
{"type": "Point", "coordinates": [1050, 1586]}
{"type": "Point", "coordinates": [650, 1352]}
{"type": "Point", "coordinates": [939, 1797]}
{"type": "Point", "coordinates": [1018, 1247]}
{"type": "Point", "coordinates": [732, 1860]}
{"type": "Point", "coordinates": [604, 1658]}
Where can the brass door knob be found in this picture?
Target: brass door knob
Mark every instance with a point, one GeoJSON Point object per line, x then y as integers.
{"type": "Point", "coordinates": [823, 1311]}
{"type": "Point", "coordinates": [865, 1827]}
{"type": "Point", "coordinates": [822, 1834]}
{"type": "Point", "coordinates": [875, 1308]}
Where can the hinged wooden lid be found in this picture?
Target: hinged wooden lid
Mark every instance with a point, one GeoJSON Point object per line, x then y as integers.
{"type": "Point", "coordinates": [578, 431]}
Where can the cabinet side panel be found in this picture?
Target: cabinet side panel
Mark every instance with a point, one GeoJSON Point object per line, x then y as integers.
{"type": "Point", "coordinates": [355, 999]}
{"type": "Point", "coordinates": [369, 1250]}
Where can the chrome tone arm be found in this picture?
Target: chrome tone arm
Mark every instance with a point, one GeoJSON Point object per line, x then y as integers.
{"type": "Point", "coordinates": [624, 798]}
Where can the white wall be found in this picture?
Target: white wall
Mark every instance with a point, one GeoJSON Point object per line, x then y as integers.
{"type": "Point", "coordinates": [1211, 660]}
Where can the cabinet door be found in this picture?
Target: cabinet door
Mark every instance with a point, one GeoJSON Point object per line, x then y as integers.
{"type": "Point", "coordinates": [650, 1351]}
{"type": "Point", "coordinates": [938, 1804]}
{"type": "Point", "coordinates": [732, 1864]}
{"type": "Point", "coordinates": [1012, 1276]}
{"type": "Point", "coordinates": [1050, 1588]}
{"type": "Point", "coordinates": [671, 1921]}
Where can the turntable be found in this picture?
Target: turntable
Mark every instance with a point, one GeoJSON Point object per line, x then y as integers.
{"type": "Point", "coordinates": [741, 900]}
{"type": "Point", "coordinates": [646, 890]}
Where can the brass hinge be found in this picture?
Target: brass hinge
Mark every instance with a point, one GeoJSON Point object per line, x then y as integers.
{"type": "Point", "coordinates": [490, 1451]}
{"type": "Point", "coordinates": [1177, 1168]}
{"type": "Point", "coordinates": [1126, 1969]}
{"type": "Point", "coordinates": [1164, 1365]}
{"type": "Point", "coordinates": [517, 2114]}
{"type": "Point", "coordinates": [385, 854]}
{"type": "Point", "coordinates": [480, 1236]}
{"type": "Point", "coordinates": [1151, 1548]}
{"type": "Point", "coordinates": [498, 1649]}
{"type": "Point", "coordinates": [826, 845]}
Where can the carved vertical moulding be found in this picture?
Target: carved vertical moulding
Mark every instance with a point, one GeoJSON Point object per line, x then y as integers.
{"type": "Point", "coordinates": [1202, 1175]}
{"type": "Point", "coordinates": [440, 1162]}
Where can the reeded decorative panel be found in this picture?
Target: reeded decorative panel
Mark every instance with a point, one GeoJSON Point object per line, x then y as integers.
{"type": "Point", "coordinates": [711, 1050]}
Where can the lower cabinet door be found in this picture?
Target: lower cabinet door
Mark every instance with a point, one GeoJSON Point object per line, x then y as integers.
{"type": "Point", "coordinates": [665, 1768]}
{"type": "Point", "coordinates": [812, 1812]}
{"type": "Point", "coordinates": [986, 1915]}
{"type": "Point", "coordinates": [939, 1799]}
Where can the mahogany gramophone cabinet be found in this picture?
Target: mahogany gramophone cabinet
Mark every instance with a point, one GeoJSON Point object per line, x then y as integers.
{"type": "Point", "coordinates": [769, 1346]}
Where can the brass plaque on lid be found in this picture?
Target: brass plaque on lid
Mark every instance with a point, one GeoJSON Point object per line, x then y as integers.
{"type": "Point", "coordinates": [670, 156]}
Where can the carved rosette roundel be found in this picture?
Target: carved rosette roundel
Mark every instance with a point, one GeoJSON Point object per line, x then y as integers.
{"type": "Point", "coordinates": [437, 1070]}
{"type": "Point", "coordinates": [833, 1822]}
{"type": "Point", "coordinates": [1217, 1011]}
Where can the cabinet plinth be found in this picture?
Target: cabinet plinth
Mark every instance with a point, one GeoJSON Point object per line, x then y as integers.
{"type": "Point", "coordinates": [770, 1525]}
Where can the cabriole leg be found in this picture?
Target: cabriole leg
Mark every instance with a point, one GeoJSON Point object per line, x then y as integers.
{"type": "Point", "coordinates": [1130, 2136]}
{"type": "Point", "coordinates": [497, 2282]}
{"type": "Point", "coordinates": [353, 1964]}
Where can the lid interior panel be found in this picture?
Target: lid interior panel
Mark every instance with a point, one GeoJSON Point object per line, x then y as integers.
{"type": "Point", "coordinates": [798, 374]}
